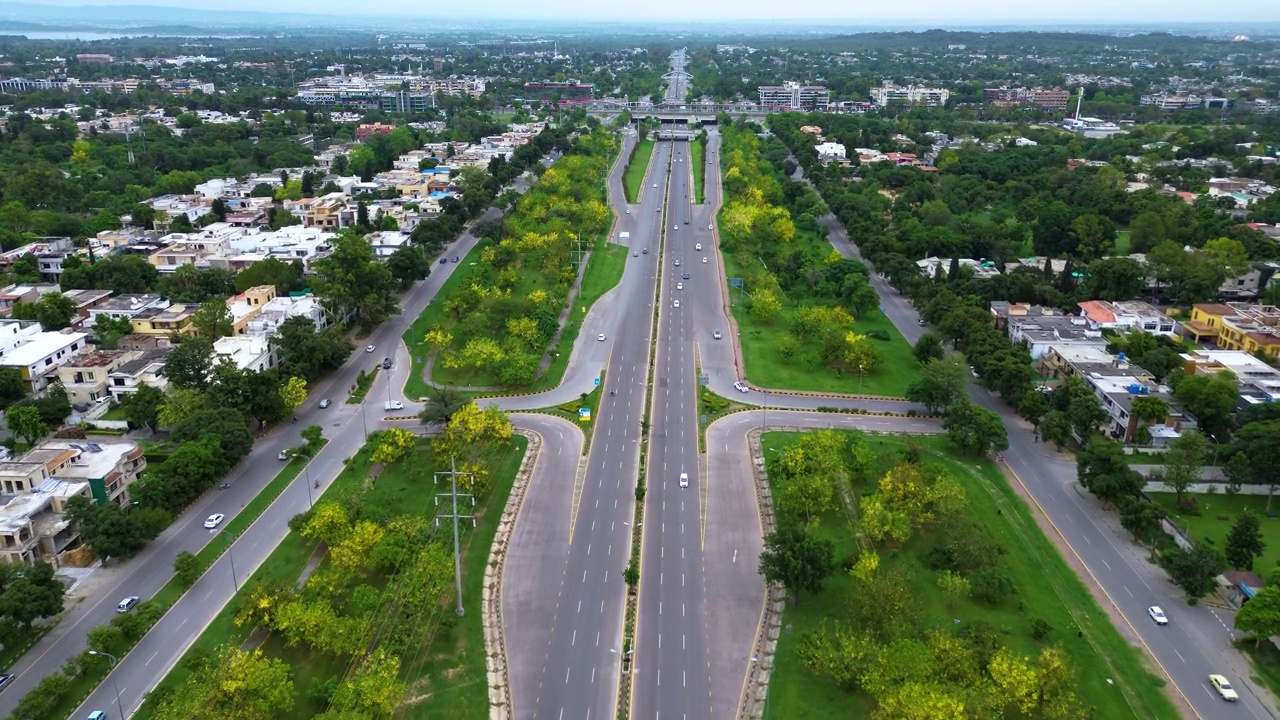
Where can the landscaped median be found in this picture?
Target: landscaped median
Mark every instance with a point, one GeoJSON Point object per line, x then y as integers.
{"type": "Point", "coordinates": [637, 168]}
{"type": "Point", "coordinates": [59, 694]}
{"type": "Point", "coordinates": [369, 572]}
{"type": "Point", "coordinates": [492, 323]}
{"type": "Point", "coordinates": [939, 582]}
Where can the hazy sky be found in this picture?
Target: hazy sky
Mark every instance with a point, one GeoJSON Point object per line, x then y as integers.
{"type": "Point", "coordinates": [842, 11]}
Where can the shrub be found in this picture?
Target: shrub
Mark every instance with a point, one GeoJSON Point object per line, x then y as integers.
{"type": "Point", "coordinates": [1040, 628]}
{"type": "Point", "coordinates": [879, 335]}
{"type": "Point", "coordinates": [991, 585]}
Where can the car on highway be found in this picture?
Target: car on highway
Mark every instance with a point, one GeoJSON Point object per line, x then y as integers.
{"type": "Point", "coordinates": [600, 337]}
{"type": "Point", "coordinates": [686, 276]}
{"type": "Point", "coordinates": [677, 262]}
{"type": "Point", "coordinates": [214, 520]}
{"type": "Point", "coordinates": [1157, 615]}
{"type": "Point", "coordinates": [740, 386]}
{"type": "Point", "coordinates": [920, 322]}
{"type": "Point", "coordinates": [677, 303]}
{"type": "Point", "coordinates": [716, 334]}
{"type": "Point", "coordinates": [1223, 687]}
{"type": "Point", "coordinates": [679, 286]}
{"type": "Point", "coordinates": [98, 715]}
{"type": "Point", "coordinates": [684, 479]}
{"type": "Point", "coordinates": [635, 253]}
{"type": "Point", "coordinates": [628, 211]}
{"type": "Point", "coordinates": [644, 251]}
{"type": "Point", "coordinates": [127, 604]}
{"type": "Point", "coordinates": [697, 246]}
{"type": "Point", "coordinates": [386, 363]}
{"type": "Point", "coordinates": [711, 227]}
{"type": "Point", "coordinates": [704, 261]}
{"type": "Point", "coordinates": [655, 186]}
{"type": "Point", "coordinates": [444, 260]}
{"type": "Point", "coordinates": [284, 455]}
{"type": "Point", "coordinates": [5, 679]}
{"type": "Point", "coordinates": [369, 349]}
{"type": "Point", "coordinates": [675, 227]}
{"type": "Point", "coordinates": [324, 403]}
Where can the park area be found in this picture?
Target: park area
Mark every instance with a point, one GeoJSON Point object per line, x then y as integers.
{"type": "Point", "coordinates": [354, 611]}
{"type": "Point", "coordinates": [942, 591]}
{"type": "Point", "coordinates": [1212, 514]}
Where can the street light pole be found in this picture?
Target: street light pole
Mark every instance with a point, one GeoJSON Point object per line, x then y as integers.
{"type": "Point", "coordinates": [307, 469]}
{"type": "Point", "coordinates": [114, 684]}
{"type": "Point", "coordinates": [231, 556]}
{"type": "Point", "coordinates": [859, 379]}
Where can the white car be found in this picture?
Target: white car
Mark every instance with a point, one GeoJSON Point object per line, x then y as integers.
{"type": "Point", "coordinates": [680, 286]}
{"type": "Point", "coordinates": [284, 455]}
{"type": "Point", "coordinates": [369, 349]}
{"type": "Point", "coordinates": [1223, 686]}
{"type": "Point", "coordinates": [214, 520]}
{"type": "Point", "coordinates": [704, 260]}
{"type": "Point", "coordinates": [628, 211]}
{"type": "Point", "coordinates": [677, 303]}
{"type": "Point", "coordinates": [600, 337]}
{"type": "Point", "coordinates": [393, 405]}
{"type": "Point", "coordinates": [740, 386]}
{"type": "Point", "coordinates": [684, 479]}
{"type": "Point", "coordinates": [675, 227]}
{"type": "Point", "coordinates": [677, 262]}
{"type": "Point", "coordinates": [1157, 615]}
{"type": "Point", "coordinates": [697, 246]}
{"type": "Point", "coordinates": [716, 334]}
{"type": "Point", "coordinates": [711, 227]}
{"type": "Point", "coordinates": [655, 186]}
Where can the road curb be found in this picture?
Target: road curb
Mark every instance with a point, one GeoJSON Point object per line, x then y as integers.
{"type": "Point", "coordinates": [491, 605]}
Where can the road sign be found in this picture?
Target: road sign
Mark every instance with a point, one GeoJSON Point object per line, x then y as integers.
{"type": "Point", "coordinates": [584, 415]}
{"type": "Point", "coordinates": [597, 382]}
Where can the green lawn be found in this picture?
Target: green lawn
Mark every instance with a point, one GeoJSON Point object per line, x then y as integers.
{"type": "Point", "coordinates": [433, 315]}
{"type": "Point", "coordinates": [766, 368]}
{"type": "Point", "coordinates": [1122, 243]}
{"type": "Point", "coordinates": [116, 412]}
{"type": "Point", "coordinates": [699, 195]}
{"type": "Point", "coordinates": [404, 485]}
{"type": "Point", "coordinates": [1046, 588]}
{"type": "Point", "coordinates": [633, 180]}
{"type": "Point", "coordinates": [1266, 663]}
{"type": "Point", "coordinates": [1208, 525]}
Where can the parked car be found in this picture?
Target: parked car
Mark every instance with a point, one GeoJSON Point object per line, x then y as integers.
{"type": "Point", "coordinates": [214, 520]}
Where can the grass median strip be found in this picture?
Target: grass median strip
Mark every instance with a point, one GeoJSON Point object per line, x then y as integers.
{"type": "Point", "coordinates": [637, 167]}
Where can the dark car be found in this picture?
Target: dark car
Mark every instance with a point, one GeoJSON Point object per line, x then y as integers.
{"type": "Point", "coordinates": [444, 260]}
{"type": "Point", "coordinates": [5, 679]}
{"type": "Point", "coordinates": [386, 363]}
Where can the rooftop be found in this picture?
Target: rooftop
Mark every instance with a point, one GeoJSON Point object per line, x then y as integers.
{"type": "Point", "coordinates": [41, 346]}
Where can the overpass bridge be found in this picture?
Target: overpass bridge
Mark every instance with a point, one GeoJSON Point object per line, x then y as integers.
{"type": "Point", "coordinates": [686, 112]}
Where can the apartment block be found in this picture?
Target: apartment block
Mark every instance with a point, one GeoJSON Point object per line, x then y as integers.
{"type": "Point", "coordinates": [793, 95]}
{"type": "Point", "coordinates": [1258, 381]}
{"type": "Point", "coordinates": [1049, 99]}
{"type": "Point", "coordinates": [889, 92]}
{"type": "Point", "coordinates": [1248, 328]}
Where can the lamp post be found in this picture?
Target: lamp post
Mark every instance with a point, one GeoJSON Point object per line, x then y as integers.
{"type": "Point", "coordinates": [860, 369]}
{"type": "Point", "coordinates": [114, 662]}
{"type": "Point", "coordinates": [307, 469]}
{"type": "Point", "coordinates": [232, 557]}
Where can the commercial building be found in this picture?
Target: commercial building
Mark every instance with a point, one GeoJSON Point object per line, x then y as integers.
{"type": "Point", "coordinates": [890, 92]}
{"type": "Point", "coordinates": [795, 96]}
{"type": "Point", "coordinates": [570, 90]}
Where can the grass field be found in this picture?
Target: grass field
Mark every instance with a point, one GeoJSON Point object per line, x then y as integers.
{"type": "Point", "coordinates": [1209, 527]}
{"type": "Point", "coordinates": [699, 193]}
{"type": "Point", "coordinates": [767, 368]}
{"type": "Point", "coordinates": [633, 180]}
{"type": "Point", "coordinates": [1046, 588]}
{"type": "Point", "coordinates": [399, 486]}
{"type": "Point", "coordinates": [1122, 243]}
{"type": "Point", "coordinates": [1266, 663]}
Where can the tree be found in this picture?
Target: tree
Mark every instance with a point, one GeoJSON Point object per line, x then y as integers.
{"type": "Point", "coordinates": [796, 559]}
{"type": "Point", "coordinates": [186, 569]}
{"type": "Point", "coordinates": [110, 329]}
{"type": "Point", "coordinates": [142, 407]}
{"type": "Point", "coordinates": [1055, 427]}
{"type": "Point", "coordinates": [806, 497]}
{"type": "Point", "coordinates": [350, 279]}
{"type": "Point", "coordinates": [180, 404]}
{"type": "Point", "coordinates": [1092, 236]}
{"type": "Point", "coordinates": [12, 387]}
{"type": "Point", "coordinates": [953, 585]}
{"type": "Point", "coordinates": [861, 353]}
{"type": "Point", "coordinates": [226, 425]}
{"type": "Point", "coordinates": [28, 593]}
{"type": "Point", "coordinates": [190, 364]}
{"type": "Point", "coordinates": [408, 265]}
{"type": "Point", "coordinates": [941, 383]}
{"type": "Point", "coordinates": [1210, 398]}
{"type": "Point", "coordinates": [1259, 463]}
{"type": "Point", "coordinates": [293, 394]}
{"type": "Point", "coordinates": [1261, 615]}
{"type": "Point", "coordinates": [213, 319]}
{"type": "Point", "coordinates": [108, 528]}
{"type": "Point", "coordinates": [928, 347]}
{"type": "Point", "coordinates": [1194, 570]}
{"type": "Point", "coordinates": [285, 276]}
{"type": "Point", "coordinates": [1183, 461]}
{"type": "Point", "coordinates": [1142, 519]}
{"type": "Point", "coordinates": [232, 683]}
{"type": "Point", "coordinates": [392, 445]}
{"type": "Point", "coordinates": [375, 689]}
{"type": "Point", "coordinates": [26, 423]}
{"type": "Point", "coordinates": [973, 429]}
{"type": "Point", "coordinates": [765, 306]}
{"type": "Point", "coordinates": [1102, 467]}
{"type": "Point", "coordinates": [308, 354]}
{"type": "Point", "coordinates": [442, 403]}
{"type": "Point", "coordinates": [53, 311]}
{"type": "Point", "coordinates": [1244, 541]}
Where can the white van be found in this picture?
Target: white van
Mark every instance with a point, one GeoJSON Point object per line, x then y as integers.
{"type": "Point", "coordinates": [393, 405]}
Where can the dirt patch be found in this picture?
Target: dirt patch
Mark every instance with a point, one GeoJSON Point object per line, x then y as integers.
{"type": "Point", "coordinates": [452, 673]}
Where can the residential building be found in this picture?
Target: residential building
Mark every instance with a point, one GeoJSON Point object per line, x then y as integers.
{"type": "Point", "coordinates": [38, 359]}
{"type": "Point", "coordinates": [15, 333]}
{"type": "Point", "coordinates": [172, 321]}
{"type": "Point", "coordinates": [14, 294]}
{"type": "Point", "coordinates": [793, 95]}
{"type": "Point", "coordinates": [1049, 99]}
{"type": "Point", "coordinates": [48, 252]}
{"type": "Point", "coordinates": [193, 248]}
{"type": "Point", "coordinates": [1117, 384]}
{"type": "Point", "coordinates": [37, 485]}
{"type": "Point", "coordinates": [143, 367]}
{"type": "Point", "coordinates": [280, 309]}
{"type": "Point", "coordinates": [930, 267]}
{"type": "Point", "coordinates": [1248, 328]}
{"type": "Point", "coordinates": [386, 242]}
{"type": "Point", "coordinates": [126, 306]}
{"type": "Point", "coordinates": [911, 94]}
{"type": "Point", "coordinates": [247, 305]}
{"type": "Point", "coordinates": [85, 302]}
{"type": "Point", "coordinates": [367, 130]}
{"type": "Point", "coordinates": [569, 90]}
{"type": "Point", "coordinates": [86, 376]}
{"type": "Point", "coordinates": [247, 352]}
{"type": "Point", "coordinates": [830, 151]}
{"type": "Point", "coordinates": [1044, 333]}
{"type": "Point", "coordinates": [1126, 316]}
{"type": "Point", "coordinates": [1258, 381]}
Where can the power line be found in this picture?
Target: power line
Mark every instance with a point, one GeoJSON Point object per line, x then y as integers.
{"type": "Point", "coordinates": [457, 553]}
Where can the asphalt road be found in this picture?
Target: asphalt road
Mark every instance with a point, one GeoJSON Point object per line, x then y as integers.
{"type": "Point", "coordinates": [672, 644]}
{"type": "Point", "coordinates": [344, 425]}
{"type": "Point", "coordinates": [580, 632]}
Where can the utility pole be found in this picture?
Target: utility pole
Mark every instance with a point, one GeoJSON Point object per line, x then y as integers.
{"type": "Point", "coordinates": [457, 552]}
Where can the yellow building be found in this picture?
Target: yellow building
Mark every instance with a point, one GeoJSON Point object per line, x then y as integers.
{"type": "Point", "coordinates": [1254, 329]}
{"type": "Point", "coordinates": [174, 320]}
{"type": "Point", "coordinates": [248, 305]}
